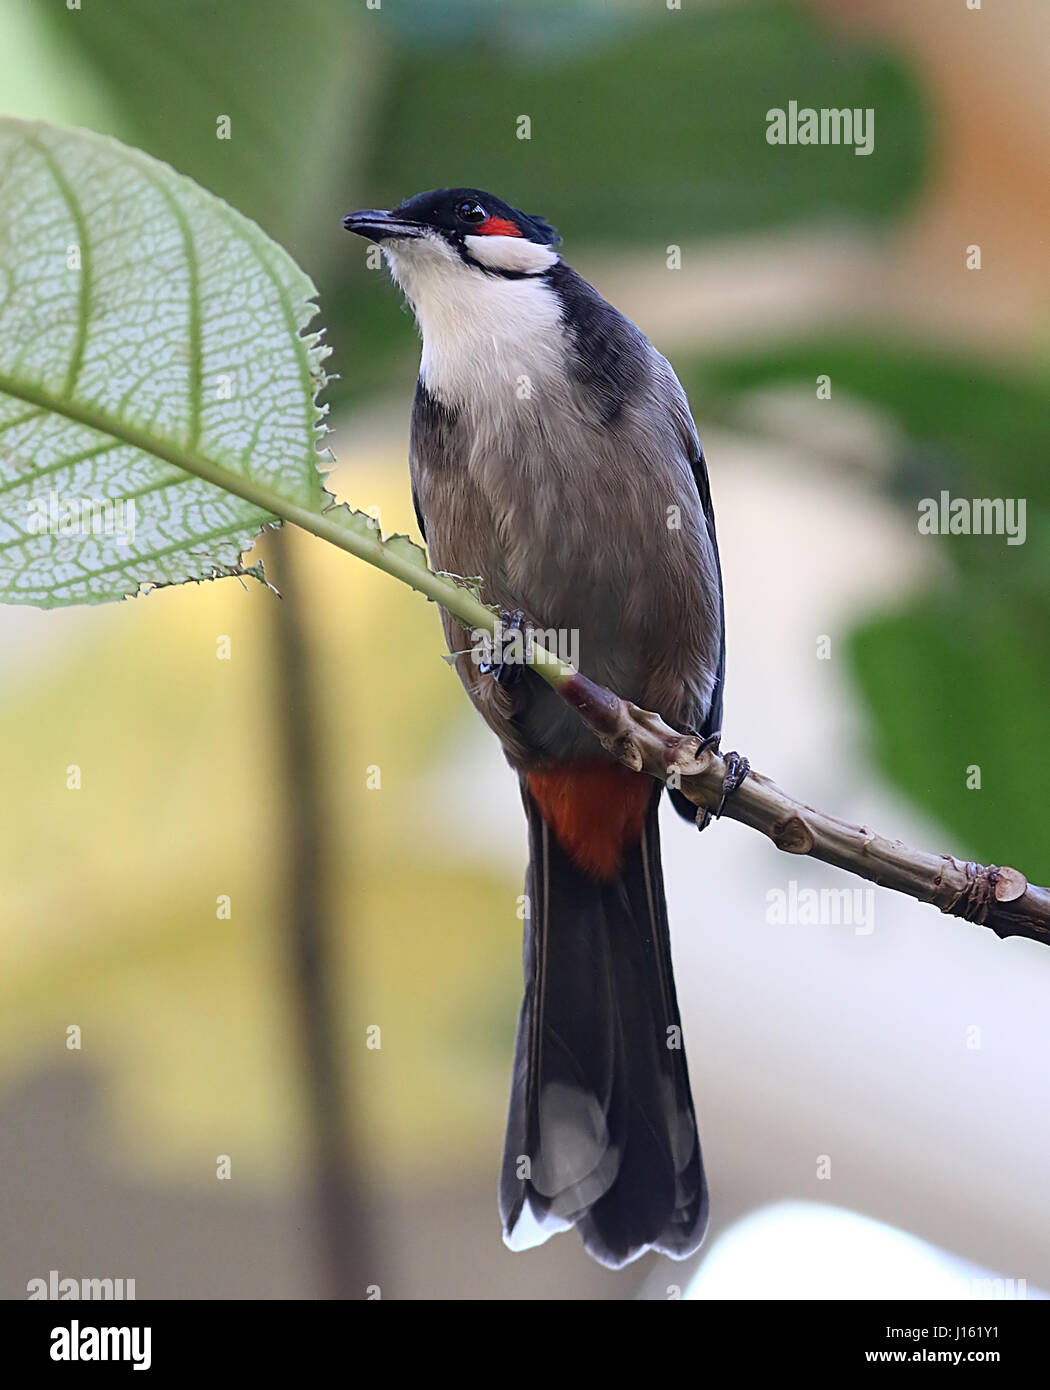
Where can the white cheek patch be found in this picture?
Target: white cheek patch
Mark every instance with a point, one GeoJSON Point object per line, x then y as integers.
{"type": "Point", "coordinates": [514, 253]}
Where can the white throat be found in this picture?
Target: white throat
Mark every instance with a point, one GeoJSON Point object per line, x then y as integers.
{"type": "Point", "coordinates": [487, 340]}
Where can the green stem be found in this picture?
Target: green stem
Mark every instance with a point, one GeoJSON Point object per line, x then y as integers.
{"type": "Point", "coordinates": [455, 599]}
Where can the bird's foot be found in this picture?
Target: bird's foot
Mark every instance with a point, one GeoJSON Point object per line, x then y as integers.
{"type": "Point", "coordinates": [737, 768]}
{"type": "Point", "coordinates": [510, 648]}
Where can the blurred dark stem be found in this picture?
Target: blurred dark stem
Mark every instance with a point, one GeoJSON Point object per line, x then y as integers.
{"type": "Point", "coordinates": [340, 1207]}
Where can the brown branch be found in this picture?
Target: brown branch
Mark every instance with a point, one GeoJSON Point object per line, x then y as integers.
{"type": "Point", "coordinates": [999, 898]}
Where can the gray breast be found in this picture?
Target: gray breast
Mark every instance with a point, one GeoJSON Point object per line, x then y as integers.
{"type": "Point", "coordinates": [580, 507]}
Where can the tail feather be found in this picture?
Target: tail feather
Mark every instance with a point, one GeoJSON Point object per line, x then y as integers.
{"type": "Point", "coordinates": [601, 1133]}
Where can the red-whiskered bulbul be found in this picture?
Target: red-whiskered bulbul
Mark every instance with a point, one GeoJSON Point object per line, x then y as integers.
{"type": "Point", "coordinates": [553, 453]}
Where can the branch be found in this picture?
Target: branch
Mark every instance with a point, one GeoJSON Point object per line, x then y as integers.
{"type": "Point", "coordinates": [999, 898]}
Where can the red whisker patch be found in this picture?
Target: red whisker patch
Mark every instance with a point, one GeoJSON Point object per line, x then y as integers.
{"type": "Point", "coordinates": [498, 226]}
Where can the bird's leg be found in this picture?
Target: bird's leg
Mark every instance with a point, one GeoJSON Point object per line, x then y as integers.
{"type": "Point", "coordinates": [513, 629]}
{"type": "Point", "coordinates": [737, 768]}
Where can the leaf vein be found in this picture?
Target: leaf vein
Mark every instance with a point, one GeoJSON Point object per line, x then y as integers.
{"type": "Point", "coordinates": [76, 212]}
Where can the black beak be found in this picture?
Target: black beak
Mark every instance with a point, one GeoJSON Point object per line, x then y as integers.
{"type": "Point", "coordinates": [381, 226]}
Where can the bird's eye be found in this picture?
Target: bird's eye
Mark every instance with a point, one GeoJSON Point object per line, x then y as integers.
{"type": "Point", "coordinates": [469, 211]}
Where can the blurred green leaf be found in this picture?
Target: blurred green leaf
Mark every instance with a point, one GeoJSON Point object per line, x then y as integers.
{"type": "Point", "coordinates": [967, 420]}
{"type": "Point", "coordinates": [651, 128]}
{"type": "Point", "coordinates": [960, 681]}
{"type": "Point", "coordinates": [294, 81]}
{"type": "Point", "coordinates": [41, 78]}
{"type": "Point", "coordinates": [960, 677]}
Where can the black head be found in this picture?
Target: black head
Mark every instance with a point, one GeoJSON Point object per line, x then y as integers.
{"type": "Point", "coordinates": [459, 216]}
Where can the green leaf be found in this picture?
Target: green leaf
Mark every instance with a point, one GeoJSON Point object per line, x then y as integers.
{"type": "Point", "coordinates": [42, 71]}
{"type": "Point", "coordinates": [647, 126]}
{"type": "Point", "coordinates": [954, 683]}
{"type": "Point", "coordinates": [157, 388]}
{"type": "Point", "coordinates": [295, 81]}
{"type": "Point", "coordinates": [953, 679]}
{"type": "Point", "coordinates": [968, 421]}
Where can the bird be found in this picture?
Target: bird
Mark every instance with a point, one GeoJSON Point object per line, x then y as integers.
{"type": "Point", "coordinates": [553, 453]}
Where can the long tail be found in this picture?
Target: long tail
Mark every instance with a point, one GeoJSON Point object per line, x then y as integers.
{"type": "Point", "coordinates": [601, 1133]}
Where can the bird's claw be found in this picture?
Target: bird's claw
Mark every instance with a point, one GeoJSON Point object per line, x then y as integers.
{"type": "Point", "coordinates": [502, 671]}
{"type": "Point", "coordinates": [737, 768]}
